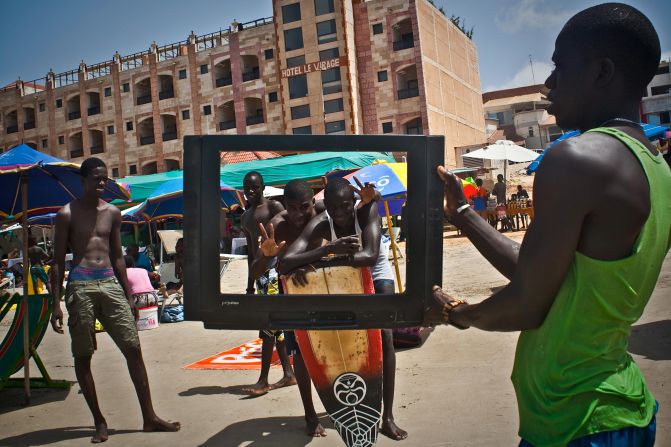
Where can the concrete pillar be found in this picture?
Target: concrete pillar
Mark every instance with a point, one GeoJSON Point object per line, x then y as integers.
{"type": "Point", "coordinates": [83, 110]}
{"type": "Point", "coordinates": [194, 84]}
{"type": "Point", "coordinates": [155, 109]}
{"type": "Point", "coordinates": [120, 128]}
{"type": "Point", "coordinates": [52, 137]}
{"type": "Point", "coordinates": [236, 74]}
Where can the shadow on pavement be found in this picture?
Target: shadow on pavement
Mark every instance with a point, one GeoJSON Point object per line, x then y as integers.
{"type": "Point", "coordinates": [53, 435]}
{"type": "Point", "coordinates": [12, 398]}
{"type": "Point", "coordinates": [651, 340]}
{"type": "Point", "coordinates": [214, 389]}
{"type": "Point", "coordinates": [266, 432]}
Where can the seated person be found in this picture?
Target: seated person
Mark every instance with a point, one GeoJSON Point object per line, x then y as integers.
{"type": "Point", "coordinates": [140, 286]}
{"type": "Point", "coordinates": [522, 193]}
{"type": "Point", "coordinates": [141, 259]}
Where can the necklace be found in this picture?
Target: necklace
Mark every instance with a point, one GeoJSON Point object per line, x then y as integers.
{"type": "Point", "coordinates": [622, 121]}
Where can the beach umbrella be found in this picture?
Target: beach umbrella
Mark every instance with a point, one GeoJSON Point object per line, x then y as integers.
{"type": "Point", "coordinates": [168, 200]}
{"type": "Point", "coordinates": [470, 188]}
{"type": "Point", "coordinates": [503, 150]}
{"type": "Point", "coordinates": [31, 183]}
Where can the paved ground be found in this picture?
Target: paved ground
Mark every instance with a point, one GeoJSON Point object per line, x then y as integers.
{"type": "Point", "coordinates": [453, 391]}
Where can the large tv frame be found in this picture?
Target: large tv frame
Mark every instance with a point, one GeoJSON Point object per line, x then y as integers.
{"type": "Point", "coordinates": [202, 298]}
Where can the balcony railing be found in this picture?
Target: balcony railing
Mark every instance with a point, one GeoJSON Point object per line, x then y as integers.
{"type": "Point", "coordinates": [98, 149]}
{"type": "Point", "coordinates": [12, 129]}
{"type": "Point", "coordinates": [93, 110]}
{"type": "Point", "coordinates": [165, 94]}
{"type": "Point", "coordinates": [257, 119]}
{"type": "Point", "coordinates": [74, 115]}
{"type": "Point", "coordinates": [408, 93]}
{"type": "Point", "coordinates": [230, 124]}
{"type": "Point", "coordinates": [403, 44]}
{"type": "Point", "coordinates": [251, 75]}
{"type": "Point", "coordinates": [167, 136]}
{"type": "Point", "coordinates": [145, 99]}
{"type": "Point", "coordinates": [75, 153]}
{"type": "Point", "coordinates": [29, 125]}
{"type": "Point", "coordinates": [221, 82]}
{"type": "Point", "coordinates": [146, 140]}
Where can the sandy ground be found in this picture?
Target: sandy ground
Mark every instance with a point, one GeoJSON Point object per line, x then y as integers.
{"type": "Point", "coordinates": [453, 391]}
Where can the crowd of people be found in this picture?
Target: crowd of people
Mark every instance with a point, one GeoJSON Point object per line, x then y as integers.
{"type": "Point", "coordinates": [577, 284]}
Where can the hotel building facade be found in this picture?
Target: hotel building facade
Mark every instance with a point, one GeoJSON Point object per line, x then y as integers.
{"type": "Point", "coordinates": [315, 67]}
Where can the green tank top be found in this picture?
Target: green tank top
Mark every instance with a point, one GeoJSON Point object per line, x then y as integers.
{"type": "Point", "coordinates": [573, 376]}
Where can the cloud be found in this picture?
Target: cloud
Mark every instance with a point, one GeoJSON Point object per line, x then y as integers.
{"type": "Point", "coordinates": [527, 15]}
{"type": "Point", "coordinates": [524, 77]}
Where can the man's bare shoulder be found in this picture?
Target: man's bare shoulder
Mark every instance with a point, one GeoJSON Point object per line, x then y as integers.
{"type": "Point", "coordinates": [275, 206]}
{"type": "Point", "coordinates": [279, 219]}
{"type": "Point", "coordinates": [590, 155]}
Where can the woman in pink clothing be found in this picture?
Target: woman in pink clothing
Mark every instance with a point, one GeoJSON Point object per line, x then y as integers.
{"type": "Point", "coordinates": [143, 292]}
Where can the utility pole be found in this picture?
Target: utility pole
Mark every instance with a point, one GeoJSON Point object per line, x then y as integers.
{"type": "Point", "coordinates": [531, 62]}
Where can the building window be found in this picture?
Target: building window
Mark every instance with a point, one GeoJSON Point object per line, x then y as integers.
{"type": "Point", "coordinates": [293, 39]}
{"type": "Point", "coordinates": [660, 89]}
{"type": "Point", "coordinates": [207, 110]}
{"type": "Point", "coordinates": [108, 91]}
{"type": "Point", "coordinates": [291, 13]}
{"type": "Point", "coordinates": [304, 130]}
{"type": "Point", "coordinates": [665, 117]}
{"type": "Point", "coordinates": [132, 169]}
{"type": "Point", "coordinates": [182, 74]}
{"type": "Point", "coordinates": [42, 107]}
{"type": "Point", "coordinates": [335, 127]}
{"type": "Point", "coordinates": [295, 61]}
{"type": "Point", "coordinates": [125, 87]}
{"type": "Point", "coordinates": [414, 127]}
{"type": "Point", "coordinates": [115, 172]}
{"type": "Point", "coordinates": [298, 86]}
{"type": "Point", "coordinates": [186, 115]}
{"type": "Point", "coordinates": [323, 7]}
{"type": "Point", "coordinates": [204, 69]}
{"type": "Point", "coordinates": [61, 139]}
{"type": "Point", "coordinates": [45, 144]}
{"type": "Point", "coordinates": [326, 31]}
{"type": "Point", "coordinates": [531, 131]}
{"type": "Point", "coordinates": [272, 97]}
{"type": "Point", "coordinates": [382, 76]}
{"type": "Point", "coordinates": [59, 103]}
{"type": "Point", "coordinates": [332, 106]}
{"type": "Point", "coordinates": [129, 125]}
{"type": "Point", "coordinates": [110, 130]}
{"type": "Point", "coordinates": [387, 127]}
{"type": "Point", "coordinates": [299, 112]}
{"type": "Point", "coordinates": [331, 81]}
{"type": "Point", "coordinates": [268, 53]}
{"type": "Point", "coordinates": [331, 53]}
{"type": "Point", "coordinates": [377, 28]}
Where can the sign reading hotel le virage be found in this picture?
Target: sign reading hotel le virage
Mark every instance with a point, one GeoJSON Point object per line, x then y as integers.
{"type": "Point", "coordinates": [314, 66]}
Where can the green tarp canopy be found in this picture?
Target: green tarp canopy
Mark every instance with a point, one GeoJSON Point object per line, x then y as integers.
{"type": "Point", "coordinates": [275, 171]}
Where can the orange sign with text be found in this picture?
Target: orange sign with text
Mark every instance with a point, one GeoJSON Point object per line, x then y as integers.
{"type": "Point", "coordinates": [247, 356]}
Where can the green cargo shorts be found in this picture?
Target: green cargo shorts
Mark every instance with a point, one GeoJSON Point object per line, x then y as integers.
{"type": "Point", "coordinates": [106, 301]}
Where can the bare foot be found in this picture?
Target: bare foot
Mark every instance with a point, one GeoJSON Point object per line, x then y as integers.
{"type": "Point", "coordinates": [101, 433]}
{"type": "Point", "coordinates": [258, 389]}
{"type": "Point", "coordinates": [391, 430]}
{"type": "Point", "coordinates": [284, 381]}
{"type": "Point", "coordinates": [314, 428]}
{"type": "Point", "coordinates": [159, 424]}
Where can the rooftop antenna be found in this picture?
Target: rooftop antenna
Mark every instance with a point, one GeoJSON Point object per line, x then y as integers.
{"type": "Point", "coordinates": [533, 77]}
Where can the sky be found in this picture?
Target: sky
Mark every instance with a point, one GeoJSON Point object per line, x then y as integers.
{"type": "Point", "coordinates": [39, 35]}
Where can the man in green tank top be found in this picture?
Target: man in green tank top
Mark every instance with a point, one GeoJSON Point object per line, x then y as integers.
{"type": "Point", "coordinates": [578, 283]}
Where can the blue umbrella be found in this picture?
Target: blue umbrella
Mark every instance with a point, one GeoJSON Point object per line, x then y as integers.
{"type": "Point", "coordinates": [52, 182]}
{"type": "Point", "coordinates": [167, 200]}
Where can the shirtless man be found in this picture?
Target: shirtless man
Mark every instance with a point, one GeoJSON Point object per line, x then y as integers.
{"type": "Point", "coordinates": [340, 226]}
{"type": "Point", "coordinates": [98, 288]}
{"type": "Point", "coordinates": [578, 283]}
{"type": "Point", "coordinates": [259, 211]}
{"type": "Point", "coordinates": [286, 227]}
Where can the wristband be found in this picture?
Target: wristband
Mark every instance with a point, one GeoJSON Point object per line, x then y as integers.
{"type": "Point", "coordinates": [447, 307]}
{"type": "Point", "coordinates": [463, 207]}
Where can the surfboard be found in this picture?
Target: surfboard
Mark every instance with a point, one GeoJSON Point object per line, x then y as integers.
{"type": "Point", "coordinates": [344, 365]}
